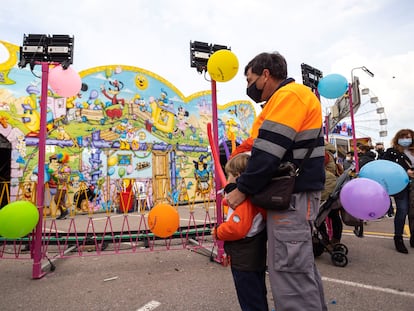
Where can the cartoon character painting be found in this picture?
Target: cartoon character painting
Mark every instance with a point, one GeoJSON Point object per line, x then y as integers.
{"type": "Point", "coordinates": [120, 112]}
{"type": "Point", "coordinates": [202, 176]}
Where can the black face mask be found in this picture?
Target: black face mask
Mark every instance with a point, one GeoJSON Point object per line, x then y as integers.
{"type": "Point", "coordinates": [254, 93]}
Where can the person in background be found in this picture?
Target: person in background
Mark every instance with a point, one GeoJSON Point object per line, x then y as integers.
{"type": "Point", "coordinates": [402, 153]}
{"type": "Point", "coordinates": [379, 149]}
{"type": "Point", "coordinates": [289, 124]}
{"type": "Point", "coordinates": [349, 160]}
{"type": "Point", "coordinates": [244, 236]}
{"type": "Point", "coordinates": [332, 173]}
{"type": "Point", "coordinates": [365, 155]}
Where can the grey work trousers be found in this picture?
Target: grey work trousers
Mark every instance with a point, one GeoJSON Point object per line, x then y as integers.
{"type": "Point", "coordinates": [295, 281]}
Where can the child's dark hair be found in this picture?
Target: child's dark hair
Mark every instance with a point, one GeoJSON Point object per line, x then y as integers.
{"type": "Point", "coordinates": [237, 164]}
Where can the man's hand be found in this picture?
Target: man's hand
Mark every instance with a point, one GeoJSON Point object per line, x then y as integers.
{"type": "Point", "coordinates": [234, 198]}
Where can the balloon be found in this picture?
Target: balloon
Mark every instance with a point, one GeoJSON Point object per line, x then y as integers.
{"type": "Point", "coordinates": [222, 65]}
{"type": "Point", "coordinates": [130, 169]}
{"type": "Point", "coordinates": [389, 174]}
{"type": "Point", "coordinates": [66, 83]}
{"type": "Point", "coordinates": [46, 173]}
{"type": "Point", "coordinates": [108, 72]}
{"type": "Point", "coordinates": [113, 160]}
{"type": "Point", "coordinates": [93, 94]}
{"type": "Point", "coordinates": [163, 220]}
{"type": "Point", "coordinates": [111, 171]}
{"type": "Point", "coordinates": [18, 219]}
{"type": "Point", "coordinates": [121, 172]}
{"type": "Point", "coordinates": [332, 86]}
{"type": "Point", "coordinates": [364, 198]}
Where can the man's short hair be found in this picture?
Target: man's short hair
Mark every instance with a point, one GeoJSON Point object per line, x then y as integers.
{"type": "Point", "coordinates": [274, 62]}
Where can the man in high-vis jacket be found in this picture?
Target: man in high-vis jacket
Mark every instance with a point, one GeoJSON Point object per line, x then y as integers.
{"type": "Point", "coordinates": [288, 125]}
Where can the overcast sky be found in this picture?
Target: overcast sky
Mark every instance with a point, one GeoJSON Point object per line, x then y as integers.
{"type": "Point", "coordinates": [334, 36]}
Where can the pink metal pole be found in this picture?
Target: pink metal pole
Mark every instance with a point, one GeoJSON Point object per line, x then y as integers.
{"type": "Point", "coordinates": [354, 142]}
{"type": "Point", "coordinates": [327, 127]}
{"type": "Point", "coordinates": [37, 272]}
{"type": "Point", "coordinates": [217, 181]}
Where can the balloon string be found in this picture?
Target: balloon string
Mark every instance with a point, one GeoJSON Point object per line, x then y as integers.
{"type": "Point", "coordinates": [217, 166]}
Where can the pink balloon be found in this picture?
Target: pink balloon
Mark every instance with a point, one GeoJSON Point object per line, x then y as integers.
{"type": "Point", "coordinates": [66, 83]}
{"type": "Point", "coordinates": [364, 198]}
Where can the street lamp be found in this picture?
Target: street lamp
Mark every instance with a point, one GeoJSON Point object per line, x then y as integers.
{"type": "Point", "coordinates": [200, 53]}
{"type": "Point", "coordinates": [43, 50]}
{"type": "Point", "coordinates": [353, 89]}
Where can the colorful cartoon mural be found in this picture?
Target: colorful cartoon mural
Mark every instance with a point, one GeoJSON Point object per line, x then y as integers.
{"type": "Point", "coordinates": [126, 123]}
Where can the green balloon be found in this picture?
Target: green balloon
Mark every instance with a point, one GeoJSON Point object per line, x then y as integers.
{"type": "Point", "coordinates": [121, 172]}
{"type": "Point", "coordinates": [18, 219]}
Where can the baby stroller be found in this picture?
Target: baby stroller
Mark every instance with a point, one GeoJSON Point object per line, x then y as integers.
{"type": "Point", "coordinates": [320, 237]}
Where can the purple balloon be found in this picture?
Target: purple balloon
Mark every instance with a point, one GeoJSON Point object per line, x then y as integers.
{"type": "Point", "coordinates": [364, 198]}
{"type": "Point", "coordinates": [93, 94]}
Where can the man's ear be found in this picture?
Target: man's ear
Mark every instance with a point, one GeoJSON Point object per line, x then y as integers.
{"type": "Point", "coordinates": [266, 73]}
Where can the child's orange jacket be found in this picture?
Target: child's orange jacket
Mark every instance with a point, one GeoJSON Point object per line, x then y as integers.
{"type": "Point", "coordinates": [246, 221]}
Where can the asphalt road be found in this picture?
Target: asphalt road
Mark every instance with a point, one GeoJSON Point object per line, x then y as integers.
{"type": "Point", "coordinates": [376, 278]}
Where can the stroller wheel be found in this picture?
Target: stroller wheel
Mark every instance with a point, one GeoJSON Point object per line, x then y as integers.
{"type": "Point", "coordinates": [339, 259]}
{"type": "Point", "coordinates": [341, 248]}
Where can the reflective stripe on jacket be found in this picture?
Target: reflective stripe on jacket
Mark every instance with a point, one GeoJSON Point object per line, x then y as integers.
{"type": "Point", "coordinates": [285, 129]}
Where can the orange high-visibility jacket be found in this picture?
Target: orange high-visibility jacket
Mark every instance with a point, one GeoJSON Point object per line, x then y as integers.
{"type": "Point", "coordinates": [285, 129]}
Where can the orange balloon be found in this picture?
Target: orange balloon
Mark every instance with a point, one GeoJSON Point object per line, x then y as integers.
{"type": "Point", "coordinates": [163, 220]}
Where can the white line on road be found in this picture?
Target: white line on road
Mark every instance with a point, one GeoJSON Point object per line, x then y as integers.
{"type": "Point", "coordinates": [376, 288]}
{"type": "Point", "coordinates": [150, 306]}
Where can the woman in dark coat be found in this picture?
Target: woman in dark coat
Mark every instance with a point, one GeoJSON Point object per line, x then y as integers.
{"type": "Point", "coordinates": [402, 152]}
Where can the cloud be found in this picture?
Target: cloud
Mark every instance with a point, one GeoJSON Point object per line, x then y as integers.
{"type": "Point", "coordinates": [333, 36]}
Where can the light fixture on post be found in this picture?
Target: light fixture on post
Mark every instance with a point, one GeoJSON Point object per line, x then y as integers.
{"type": "Point", "coordinates": [310, 78]}
{"type": "Point", "coordinates": [353, 89]}
{"type": "Point", "coordinates": [37, 49]}
{"type": "Point", "coordinates": [200, 53]}
{"type": "Point", "coordinates": [43, 50]}
{"type": "Point", "coordinates": [60, 50]}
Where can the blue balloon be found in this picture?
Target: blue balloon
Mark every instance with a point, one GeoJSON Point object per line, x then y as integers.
{"type": "Point", "coordinates": [390, 175]}
{"type": "Point", "coordinates": [332, 86]}
{"type": "Point", "coordinates": [111, 171]}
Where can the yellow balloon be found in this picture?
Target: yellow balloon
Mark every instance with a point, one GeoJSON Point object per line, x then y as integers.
{"type": "Point", "coordinates": [223, 65]}
{"type": "Point", "coordinates": [112, 161]}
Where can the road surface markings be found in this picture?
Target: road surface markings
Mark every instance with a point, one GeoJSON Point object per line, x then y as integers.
{"type": "Point", "coordinates": [376, 288]}
{"type": "Point", "coordinates": [373, 234]}
{"type": "Point", "coordinates": [150, 306]}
